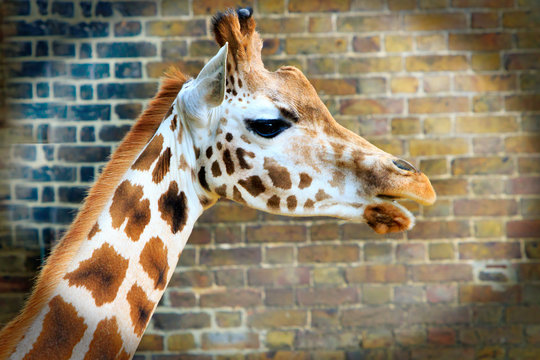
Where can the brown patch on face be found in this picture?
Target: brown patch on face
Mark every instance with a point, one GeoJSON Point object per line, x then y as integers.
{"type": "Point", "coordinates": [219, 145]}
{"type": "Point", "coordinates": [309, 204]}
{"type": "Point", "coordinates": [93, 231]}
{"type": "Point", "coordinates": [106, 342]}
{"type": "Point", "coordinates": [245, 138]}
{"type": "Point", "coordinates": [140, 308]}
{"type": "Point", "coordinates": [202, 178]}
{"type": "Point", "coordinates": [149, 155]}
{"type": "Point", "coordinates": [174, 123]}
{"type": "Point", "coordinates": [237, 195]}
{"type": "Point", "coordinates": [62, 330]}
{"type": "Point", "coordinates": [338, 149]}
{"type": "Point", "coordinates": [240, 154]}
{"type": "Point", "coordinates": [321, 195]}
{"type": "Point", "coordinates": [183, 163]}
{"type": "Point", "coordinates": [102, 274]}
{"type": "Point", "coordinates": [278, 174]}
{"type": "Point", "coordinates": [239, 83]}
{"type": "Point", "coordinates": [216, 170]}
{"type": "Point", "coordinates": [173, 208]}
{"type": "Point", "coordinates": [222, 190]}
{"type": "Point", "coordinates": [386, 218]}
{"type": "Point", "coordinates": [338, 180]}
{"type": "Point", "coordinates": [273, 202]}
{"type": "Point", "coordinates": [209, 152]}
{"type": "Point", "coordinates": [253, 185]}
{"type": "Point", "coordinates": [154, 261]}
{"type": "Point", "coordinates": [228, 137]}
{"type": "Point", "coordinates": [227, 159]}
{"type": "Point", "coordinates": [291, 202]}
{"type": "Point", "coordinates": [127, 203]}
{"type": "Point", "coordinates": [162, 166]}
{"type": "Point", "coordinates": [305, 181]}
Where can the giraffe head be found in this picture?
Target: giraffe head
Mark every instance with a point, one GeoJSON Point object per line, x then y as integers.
{"type": "Point", "coordinates": [266, 140]}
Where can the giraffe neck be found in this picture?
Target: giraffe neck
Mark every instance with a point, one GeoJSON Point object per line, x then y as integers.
{"type": "Point", "coordinates": [110, 289]}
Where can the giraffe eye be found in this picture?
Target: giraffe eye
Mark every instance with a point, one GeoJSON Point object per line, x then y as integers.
{"type": "Point", "coordinates": [267, 128]}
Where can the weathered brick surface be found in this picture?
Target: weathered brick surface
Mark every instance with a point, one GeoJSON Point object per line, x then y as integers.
{"type": "Point", "coordinates": [451, 85]}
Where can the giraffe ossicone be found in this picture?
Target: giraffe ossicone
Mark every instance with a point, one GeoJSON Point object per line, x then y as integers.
{"type": "Point", "coordinates": [237, 131]}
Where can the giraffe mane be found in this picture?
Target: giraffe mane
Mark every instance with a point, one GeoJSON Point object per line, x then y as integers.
{"type": "Point", "coordinates": [57, 262]}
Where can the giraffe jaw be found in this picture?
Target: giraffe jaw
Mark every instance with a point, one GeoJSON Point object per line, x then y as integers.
{"type": "Point", "coordinates": [387, 216]}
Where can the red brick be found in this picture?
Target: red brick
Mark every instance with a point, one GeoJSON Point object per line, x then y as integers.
{"type": "Point", "coordinates": [490, 250]}
{"type": "Point", "coordinates": [231, 298]}
{"type": "Point", "coordinates": [472, 293]}
{"type": "Point", "coordinates": [525, 185]}
{"type": "Point", "coordinates": [376, 274]}
{"type": "Point", "coordinates": [371, 106]}
{"type": "Point", "coordinates": [361, 23]}
{"type": "Point", "coordinates": [192, 278]}
{"type": "Point", "coordinates": [275, 233]}
{"type": "Point", "coordinates": [484, 20]}
{"type": "Point", "coordinates": [446, 187]}
{"type": "Point", "coordinates": [480, 42]}
{"type": "Point", "coordinates": [279, 297]}
{"type": "Point", "coordinates": [521, 19]}
{"type": "Point", "coordinates": [482, 166]}
{"type": "Point", "coordinates": [328, 231]}
{"type": "Point", "coordinates": [427, 22]}
{"type": "Point", "coordinates": [484, 83]}
{"type": "Point", "coordinates": [319, 6]}
{"type": "Point", "coordinates": [372, 316]}
{"type": "Point", "coordinates": [439, 230]}
{"type": "Point", "coordinates": [487, 103]}
{"type": "Point", "coordinates": [286, 276]}
{"type": "Point", "coordinates": [151, 342]}
{"type": "Point", "coordinates": [441, 336]}
{"type": "Point", "coordinates": [523, 314]}
{"type": "Point", "coordinates": [365, 44]}
{"type": "Point", "coordinates": [438, 314]}
{"type": "Point", "coordinates": [486, 124]}
{"type": "Point", "coordinates": [235, 256]}
{"type": "Point", "coordinates": [328, 253]}
{"type": "Point", "coordinates": [370, 65]}
{"type": "Point", "coordinates": [228, 211]}
{"type": "Point", "coordinates": [483, 3]}
{"type": "Point", "coordinates": [327, 86]}
{"type": "Point", "coordinates": [523, 228]}
{"type": "Point", "coordinates": [410, 252]}
{"type": "Point", "coordinates": [435, 105]}
{"type": "Point", "coordinates": [441, 293]}
{"type": "Point", "coordinates": [277, 318]}
{"type": "Point", "coordinates": [182, 298]}
{"type": "Point", "coordinates": [442, 272]}
{"type": "Point", "coordinates": [436, 63]}
{"type": "Point", "coordinates": [522, 144]}
{"type": "Point", "coordinates": [326, 296]}
{"type": "Point", "coordinates": [230, 340]}
{"type": "Point", "coordinates": [527, 61]}
{"type": "Point", "coordinates": [528, 40]}
{"type": "Point", "coordinates": [320, 45]}
{"type": "Point", "coordinates": [485, 207]}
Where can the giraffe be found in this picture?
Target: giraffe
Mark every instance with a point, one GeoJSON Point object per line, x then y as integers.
{"type": "Point", "coordinates": [236, 131]}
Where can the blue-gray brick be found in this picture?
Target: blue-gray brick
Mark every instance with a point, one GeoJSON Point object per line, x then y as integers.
{"type": "Point", "coordinates": [128, 70]}
{"type": "Point", "coordinates": [85, 51]}
{"type": "Point", "coordinates": [25, 152]}
{"type": "Point", "coordinates": [64, 134]}
{"type": "Point", "coordinates": [41, 28]}
{"type": "Point", "coordinates": [56, 215]}
{"type": "Point", "coordinates": [126, 8]}
{"type": "Point", "coordinates": [86, 92]}
{"type": "Point", "coordinates": [42, 48]}
{"type": "Point", "coordinates": [17, 48]}
{"type": "Point", "coordinates": [54, 173]}
{"type": "Point", "coordinates": [89, 71]}
{"type": "Point", "coordinates": [23, 192]}
{"type": "Point", "coordinates": [113, 133]}
{"type": "Point", "coordinates": [47, 194]}
{"type": "Point", "coordinates": [86, 8]}
{"type": "Point", "coordinates": [88, 134]}
{"type": "Point", "coordinates": [19, 90]}
{"type": "Point", "coordinates": [43, 6]}
{"type": "Point", "coordinates": [72, 194]}
{"type": "Point", "coordinates": [62, 8]}
{"type": "Point", "coordinates": [83, 153]}
{"type": "Point", "coordinates": [128, 111]}
{"type": "Point", "coordinates": [63, 49]}
{"type": "Point", "coordinates": [64, 91]}
{"type": "Point", "coordinates": [37, 69]}
{"type": "Point", "coordinates": [127, 28]}
{"type": "Point", "coordinates": [126, 49]}
{"type": "Point", "coordinates": [89, 112]}
{"type": "Point", "coordinates": [127, 90]}
{"type": "Point", "coordinates": [90, 29]}
{"type": "Point", "coordinates": [42, 89]}
{"type": "Point", "coordinates": [37, 111]}
{"type": "Point", "coordinates": [16, 8]}
{"type": "Point", "coordinates": [87, 174]}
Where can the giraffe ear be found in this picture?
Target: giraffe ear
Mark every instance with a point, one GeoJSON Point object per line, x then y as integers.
{"type": "Point", "coordinates": [208, 89]}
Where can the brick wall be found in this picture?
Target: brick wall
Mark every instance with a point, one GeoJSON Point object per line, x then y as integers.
{"type": "Point", "coordinates": [451, 85]}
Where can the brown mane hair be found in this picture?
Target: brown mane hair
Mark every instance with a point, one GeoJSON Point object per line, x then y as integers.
{"type": "Point", "coordinates": [55, 267]}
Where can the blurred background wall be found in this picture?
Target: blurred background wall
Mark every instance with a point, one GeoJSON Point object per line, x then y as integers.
{"type": "Point", "coordinates": [452, 85]}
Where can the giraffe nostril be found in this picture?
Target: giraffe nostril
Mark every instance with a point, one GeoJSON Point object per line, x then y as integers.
{"type": "Point", "coordinates": [405, 165]}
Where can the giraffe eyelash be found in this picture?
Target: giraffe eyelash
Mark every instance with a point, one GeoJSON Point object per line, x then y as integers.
{"type": "Point", "coordinates": [267, 128]}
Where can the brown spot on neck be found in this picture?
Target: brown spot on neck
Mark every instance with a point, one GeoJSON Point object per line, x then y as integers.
{"type": "Point", "coordinates": [240, 154]}
{"type": "Point", "coordinates": [227, 159]}
{"type": "Point", "coordinates": [102, 274]}
{"type": "Point", "coordinates": [291, 202]}
{"type": "Point", "coordinates": [219, 145]}
{"type": "Point", "coordinates": [95, 229]}
{"type": "Point", "coordinates": [62, 329]}
{"type": "Point", "coordinates": [107, 342]}
{"type": "Point", "coordinates": [154, 261]}
{"type": "Point", "coordinates": [127, 203]}
{"type": "Point", "coordinates": [201, 175]}
{"type": "Point", "coordinates": [140, 307]}
{"type": "Point", "coordinates": [309, 204]}
{"type": "Point", "coordinates": [216, 170]}
{"type": "Point", "coordinates": [162, 166]}
{"type": "Point", "coordinates": [209, 152]}
{"type": "Point", "coordinates": [305, 181]}
{"type": "Point", "coordinates": [183, 165]}
{"type": "Point", "coordinates": [174, 208]}
{"type": "Point", "coordinates": [197, 152]}
{"type": "Point", "coordinates": [229, 137]}
{"type": "Point", "coordinates": [253, 185]}
{"type": "Point", "coordinates": [237, 195]}
{"type": "Point", "coordinates": [221, 190]}
{"type": "Point", "coordinates": [149, 155]}
{"type": "Point", "coordinates": [321, 195]}
{"type": "Point", "coordinates": [273, 202]}
{"type": "Point", "coordinates": [278, 174]}
{"type": "Point", "coordinates": [174, 123]}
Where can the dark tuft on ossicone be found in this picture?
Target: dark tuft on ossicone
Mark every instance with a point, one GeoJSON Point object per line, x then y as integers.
{"type": "Point", "coordinates": [244, 13]}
